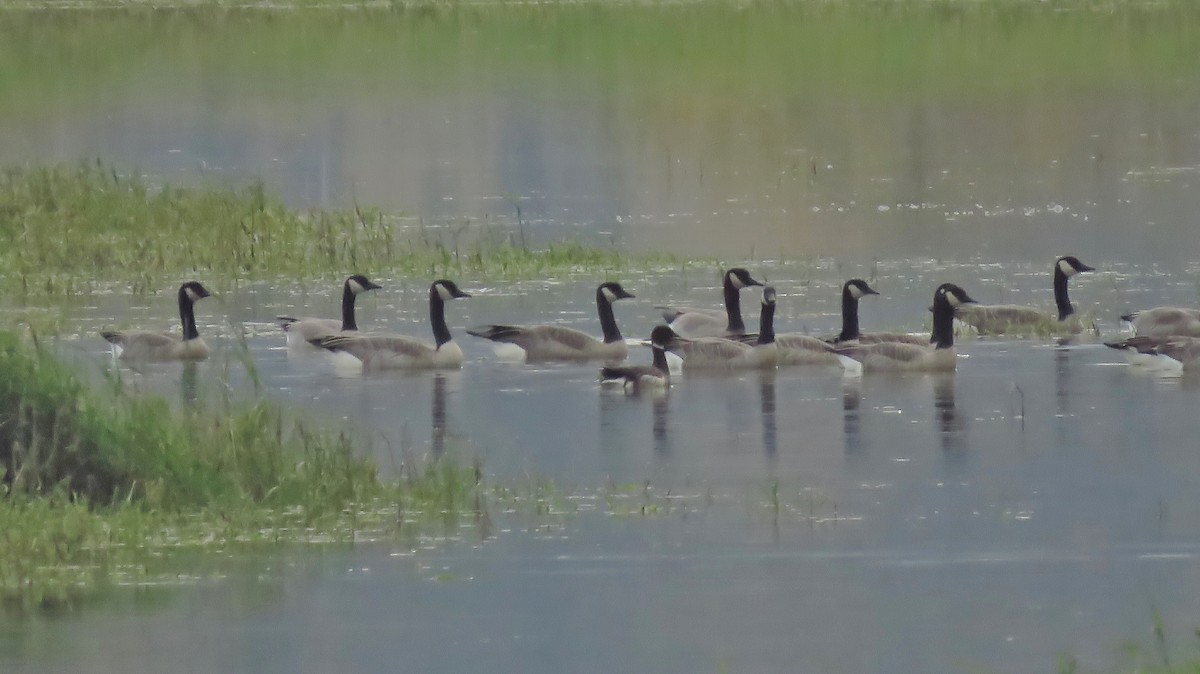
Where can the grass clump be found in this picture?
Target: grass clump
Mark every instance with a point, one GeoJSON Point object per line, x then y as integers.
{"type": "Point", "coordinates": [99, 486]}
{"type": "Point", "coordinates": [66, 228]}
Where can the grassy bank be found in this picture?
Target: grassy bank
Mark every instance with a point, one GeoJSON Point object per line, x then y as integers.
{"type": "Point", "coordinates": [66, 229]}
{"type": "Point", "coordinates": [99, 484]}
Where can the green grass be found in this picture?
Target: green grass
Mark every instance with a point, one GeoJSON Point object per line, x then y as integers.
{"type": "Point", "coordinates": [69, 229]}
{"type": "Point", "coordinates": [99, 484]}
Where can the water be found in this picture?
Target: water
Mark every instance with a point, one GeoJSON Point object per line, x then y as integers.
{"type": "Point", "coordinates": [1040, 502]}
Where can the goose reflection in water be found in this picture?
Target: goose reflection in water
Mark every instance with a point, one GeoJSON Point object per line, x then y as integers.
{"type": "Point", "coordinates": [851, 426]}
{"type": "Point", "coordinates": [437, 415]}
{"type": "Point", "coordinates": [189, 388]}
{"type": "Point", "coordinates": [766, 395]}
{"type": "Point", "coordinates": [950, 425]}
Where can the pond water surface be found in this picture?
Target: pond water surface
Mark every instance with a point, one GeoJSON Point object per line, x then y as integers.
{"type": "Point", "coordinates": [1041, 502]}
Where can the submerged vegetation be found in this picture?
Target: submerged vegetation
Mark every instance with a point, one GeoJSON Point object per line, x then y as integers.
{"type": "Point", "coordinates": [67, 228]}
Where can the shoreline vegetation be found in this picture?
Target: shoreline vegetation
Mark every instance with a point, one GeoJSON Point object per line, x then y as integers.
{"type": "Point", "coordinates": [70, 229]}
{"type": "Point", "coordinates": [99, 485]}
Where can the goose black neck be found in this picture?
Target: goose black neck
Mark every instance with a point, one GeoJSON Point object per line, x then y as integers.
{"type": "Point", "coordinates": [943, 324]}
{"type": "Point", "coordinates": [849, 316]}
{"type": "Point", "coordinates": [660, 359]}
{"type": "Point", "coordinates": [766, 324]}
{"type": "Point", "coordinates": [187, 317]}
{"type": "Point", "coordinates": [608, 322]}
{"type": "Point", "coordinates": [437, 318]}
{"type": "Point", "coordinates": [733, 308]}
{"type": "Point", "coordinates": [348, 322]}
{"type": "Point", "coordinates": [1060, 294]}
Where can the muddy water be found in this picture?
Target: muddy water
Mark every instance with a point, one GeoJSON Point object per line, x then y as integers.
{"type": "Point", "coordinates": [1040, 502]}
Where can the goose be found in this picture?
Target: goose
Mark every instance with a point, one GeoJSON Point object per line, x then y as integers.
{"type": "Point", "coordinates": [937, 356]}
{"type": "Point", "coordinates": [1165, 322]}
{"type": "Point", "coordinates": [555, 342]}
{"type": "Point", "coordinates": [801, 349]}
{"type": "Point", "coordinates": [302, 331]}
{"type": "Point", "coordinates": [692, 323]}
{"type": "Point", "coordinates": [1174, 352]}
{"type": "Point", "coordinates": [999, 319]}
{"type": "Point", "coordinates": [400, 352]}
{"type": "Point", "coordinates": [727, 353]}
{"type": "Point", "coordinates": [637, 377]}
{"type": "Point", "coordinates": [852, 291]}
{"type": "Point", "coordinates": [149, 346]}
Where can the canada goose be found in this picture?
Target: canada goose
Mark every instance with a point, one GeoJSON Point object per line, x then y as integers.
{"type": "Point", "coordinates": [303, 331]}
{"type": "Point", "coordinates": [387, 351]}
{"type": "Point", "coordinates": [1165, 322]}
{"type": "Point", "coordinates": [637, 377]}
{"type": "Point", "coordinates": [999, 319]}
{"type": "Point", "coordinates": [852, 291]}
{"type": "Point", "coordinates": [937, 356]}
{"type": "Point", "coordinates": [555, 342]}
{"type": "Point", "coordinates": [149, 346]}
{"type": "Point", "coordinates": [1174, 352]}
{"type": "Point", "coordinates": [727, 353]}
{"type": "Point", "coordinates": [692, 323]}
{"type": "Point", "coordinates": [800, 349]}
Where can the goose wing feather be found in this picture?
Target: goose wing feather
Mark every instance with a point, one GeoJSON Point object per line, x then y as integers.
{"type": "Point", "coordinates": [551, 341]}
{"type": "Point", "coordinates": [364, 347]}
{"type": "Point", "coordinates": [670, 313]}
{"type": "Point", "coordinates": [1180, 348]}
{"type": "Point", "coordinates": [1167, 321]}
{"type": "Point", "coordinates": [710, 350]}
{"type": "Point", "coordinates": [694, 325]}
{"type": "Point", "coordinates": [309, 328]}
{"type": "Point", "coordinates": [147, 339]}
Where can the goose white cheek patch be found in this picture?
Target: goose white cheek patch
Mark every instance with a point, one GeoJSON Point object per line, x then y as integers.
{"type": "Point", "coordinates": [355, 286]}
{"type": "Point", "coordinates": [444, 292]}
{"type": "Point", "coordinates": [609, 295]}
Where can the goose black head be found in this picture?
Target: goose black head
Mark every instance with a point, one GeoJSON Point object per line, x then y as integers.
{"type": "Point", "coordinates": [950, 294]}
{"type": "Point", "coordinates": [446, 290]}
{"type": "Point", "coordinates": [360, 284]}
{"type": "Point", "coordinates": [612, 291]}
{"type": "Point", "coordinates": [662, 336]}
{"type": "Point", "coordinates": [858, 288]}
{"type": "Point", "coordinates": [1070, 265]}
{"type": "Point", "coordinates": [739, 278]}
{"type": "Point", "coordinates": [192, 292]}
{"type": "Point", "coordinates": [768, 297]}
